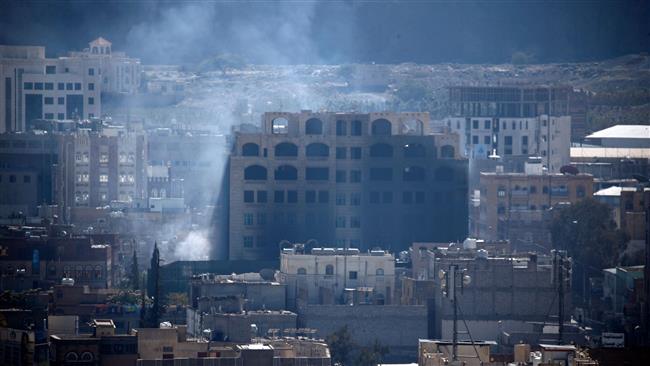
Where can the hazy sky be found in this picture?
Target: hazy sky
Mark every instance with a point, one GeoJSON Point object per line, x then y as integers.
{"type": "Point", "coordinates": [267, 31]}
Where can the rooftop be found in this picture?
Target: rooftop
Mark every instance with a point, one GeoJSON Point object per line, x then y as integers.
{"type": "Point", "coordinates": [622, 131]}
{"type": "Point", "coordinates": [610, 152]}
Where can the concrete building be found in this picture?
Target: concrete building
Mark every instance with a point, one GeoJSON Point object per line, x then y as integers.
{"type": "Point", "coordinates": [621, 136]}
{"type": "Point", "coordinates": [337, 276]}
{"type": "Point", "coordinates": [258, 293]}
{"type": "Point", "coordinates": [239, 327]}
{"type": "Point", "coordinates": [23, 338]}
{"type": "Point", "coordinates": [514, 139]}
{"type": "Point", "coordinates": [36, 87]}
{"type": "Point", "coordinates": [512, 205]}
{"type": "Point", "coordinates": [119, 73]}
{"type": "Point", "coordinates": [438, 352]}
{"type": "Point", "coordinates": [169, 342]}
{"type": "Point", "coordinates": [339, 178]}
{"type": "Point", "coordinates": [611, 163]}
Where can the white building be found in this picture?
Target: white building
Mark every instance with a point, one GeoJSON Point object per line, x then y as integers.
{"type": "Point", "coordinates": [549, 138]}
{"type": "Point", "coordinates": [622, 136]}
{"type": "Point", "coordinates": [337, 275]}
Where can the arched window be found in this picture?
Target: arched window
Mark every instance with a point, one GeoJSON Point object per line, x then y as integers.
{"type": "Point", "coordinates": [314, 126]}
{"type": "Point", "coordinates": [341, 128]}
{"type": "Point", "coordinates": [286, 149]}
{"type": "Point", "coordinates": [444, 174]}
{"type": "Point", "coordinates": [317, 150]}
{"type": "Point", "coordinates": [414, 173]}
{"type": "Point", "coordinates": [447, 151]}
{"type": "Point", "coordinates": [301, 271]}
{"type": "Point", "coordinates": [87, 356]}
{"type": "Point", "coordinates": [154, 193]}
{"type": "Point", "coordinates": [71, 356]}
{"type": "Point", "coordinates": [379, 272]}
{"type": "Point", "coordinates": [280, 126]}
{"type": "Point", "coordinates": [255, 172]}
{"type": "Point", "coordinates": [98, 272]}
{"type": "Point", "coordinates": [381, 127]}
{"type": "Point", "coordinates": [414, 151]}
{"type": "Point", "coordinates": [412, 127]}
{"type": "Point", "coordinates": [250, 149]}
{"type": "Point", "coordinates": [329, 270]}
{"type": "Point", "coordinates": [381, 150]}
{"type": "Point", "coordinates": [286, 172]}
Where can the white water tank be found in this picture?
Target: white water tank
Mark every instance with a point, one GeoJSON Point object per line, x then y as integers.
{"type": "Point", "coordinates": [469, 243]}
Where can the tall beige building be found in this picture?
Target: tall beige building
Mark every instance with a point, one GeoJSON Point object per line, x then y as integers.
{"type": "Point", "coordinates": [344, 180]}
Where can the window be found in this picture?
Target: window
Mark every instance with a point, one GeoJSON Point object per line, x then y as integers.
{"type": "Point", "coordinates": [77, 86]}
{"type": "Point", "coordinates": [286, 149]}
{"type": "Point", "coordinates": [28, 86]}
{"type": "Point", "coordinates": [340, 222]}
{"type": "Point", "coordinates": [355, 176]}
{"type": "Point", "coordinates": [49, 86]}
{"type": "Point", "coordinates": [103, 178]}
{"type": "Point", "coordinates": [487, 124]}
{"type": "Point", "coordinates": [407, 197]}
{"type": "Point", "coordinates": [261, 219]}
{"type": "Point", "coordinates": [323, 196]}
{"type": "Point", "coordinates": [475, 140]}
{"type": "Point", "coordinates": [524, 140]}
{"type": "Point", "coordinates": [341, 153]}
{"type": "Point", "coordinates": [341, 176]}
{"type": "Point", "coordinates": [447, 151]}
{"type": "Point", "coordinates": [341, 128]}
{"type": "Point", "coordinates": [278, 197]}
{"type": "Point", "coordinates": [379, 272]}
{"type": "Point", "coordinates": [49, 115]}
{"type": "Point", "coordinates": [356, 128]}
{"type": "Point", "coordinates": [38, 86]}
{"type": "Point", "coordinates": [314, 126]}
{"type": "Point", "coordinates": [301, 271]}
{"type": "Point", "coordinates": [60, 100]}
{"type": "Point", "coordinates": [317, 150]}
{"type": "Point", "coordinates": [60, 86]}
{"type": "Point", "coordinates": [261, 197]}
{"type": "Point", "coordinates": [68, 86]}
{"type": "Point", "coordinates": [532, 189]}
{"type": "Point", "coordinates": [248, 241]}
{"type": "Point", "coordinates": [381, 151]}
{"type": "Point", "coordinates": [48, 100]}
{"type": "Point", "coordinates": [381, 174]}
{"type": "Point", "coordinates": [329, 270]}
{"type": "Point", "coordinates": [310, 196]}
{"type": "Point", "coordinates": [355, 153]}
{"type": "Point", "coordinates": [545, 190]}
{"type": "Point", "coordinates": [91, 72]}
{"type": "Point", "coordinates": [292, 196]}
{"type": "Point", "coordinates": [280, 126]}
{"type": "Point", "coordinates": [340, 199]}
{"type": "Point", "coordinates": [414, 151]}
{"type": "Point", "coordinates": [501, 191]}
{"type": "Point", "coordinates": [414, 174]}
{"type": "Point", "coordinates": [248, 219]}
{"type": "Point", "coordinates": [486, 140]}
{"type": "Point", "coordinates": [355, 222]}
{"type": "Point", "coordinates": [381, 127]}
{"type": "Point", "coordinates": [312, 173]}
{"type": "Point", "coordinates": [91, 100]}
{"type": "Point", "coordinates": [507, 140]}
{"type": "Point", "coordinates": [580, 191]}
{"type": "Point", "coordinates": [501, 210]}
{"type": "Point", "coordinates": [249, 196]}
{"type": "Point", "coordinates": [91, 86]}
{"type": "Point", "coordinates": [374, 197]}
{"type": "Point", "coordinates": [255, 172]}
{"type": "Point", "coordinates": [352, 275]}
{"type": "Point", "coordinates": [50, 69]}
{"type": "Point", "coordinates": [27, 179]}
{"type": "Point", "coordinates": [60, 116]}
{"type": "Point", "coordinates": [387, 197]}
{"type": "Point", "coordinates": [355, 199]}
{"type": "Point", "coordinates": [475, 124]}
{"type": "Point", "coordinates": [286, 172]}
{"type": "Point", "coordinates": [250, 149]}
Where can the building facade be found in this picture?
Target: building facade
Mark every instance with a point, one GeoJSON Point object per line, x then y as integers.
{"type": "Point", "coordinates": [512, 205]}
{"type": "Point", "coordinates": [339, 178]}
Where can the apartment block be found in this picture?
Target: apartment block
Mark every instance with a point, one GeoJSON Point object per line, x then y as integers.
{"type": "Point", "coordinates": [345, 180]}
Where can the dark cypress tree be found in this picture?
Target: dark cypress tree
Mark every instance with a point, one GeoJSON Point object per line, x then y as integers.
{"type": "Point", "coordinates": [143, 308]}
{"type": "Point", "coordinates": [154, 288]}
{"type": "Point", "coordinates": [135, 273]}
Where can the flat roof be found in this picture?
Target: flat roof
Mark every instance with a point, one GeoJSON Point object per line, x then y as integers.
{"type": "Point", "coordinates": [556, 347]}
{"type": "Point", "coordinates": [609, 152]}
{"type": "Point", "coordinates": [622, 131]}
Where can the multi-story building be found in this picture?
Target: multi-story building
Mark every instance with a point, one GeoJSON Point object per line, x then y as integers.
{"type": "Point", "coordinates": [337, 276]}
{"type": "Point", "coordinates": [512, 205]}
{"type": "Point", "coordinates": [515, 139]}
{"type": "Point", "coordinates": [346, 179]}
{"type": "Point", "coordinates": [36, 87]}
{"type": "Point", "coordinates": [102, 166]}
{"type": "Point", "coordinates": [118, 72]}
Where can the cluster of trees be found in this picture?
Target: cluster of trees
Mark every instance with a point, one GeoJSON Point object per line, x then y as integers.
{"type": "Point", "coordinates": [345, 351]}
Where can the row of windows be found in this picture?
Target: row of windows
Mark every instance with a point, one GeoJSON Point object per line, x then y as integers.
{"type": "Point", "coordinates": [13, 179]}
{"type": "Point", "coordinates": [560, 190]}
{"type": "Point", "coordinates": [59, 86]}
{"type": "Point", "coordinates": [329, 271]}
{"type": "Point", "coordinates": [21, 144]}
{"type": "Point", "coordinates": [379, 127]}
{"type": "Point", "coordinates": [321, 150]}
{"type": "Point", "coordinates": [288, 172]}
{"type": "Point", "coordinates": [341, 199]}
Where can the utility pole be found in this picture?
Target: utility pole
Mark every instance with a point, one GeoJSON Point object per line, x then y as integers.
{"type": "Point", "coordinates": [558, 278]}
{"type": "Point", "coordinates": [449, 281]}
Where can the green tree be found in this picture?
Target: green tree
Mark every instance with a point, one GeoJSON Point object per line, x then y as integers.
{"type": "Point", "coordinates": [177, 298]}
{"type": "Point", "coordinates": [371, 356]}
{"type": "Point", "coordinates": [154, 314]}
{"type": "Point", "coordinates": [341, 345]}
